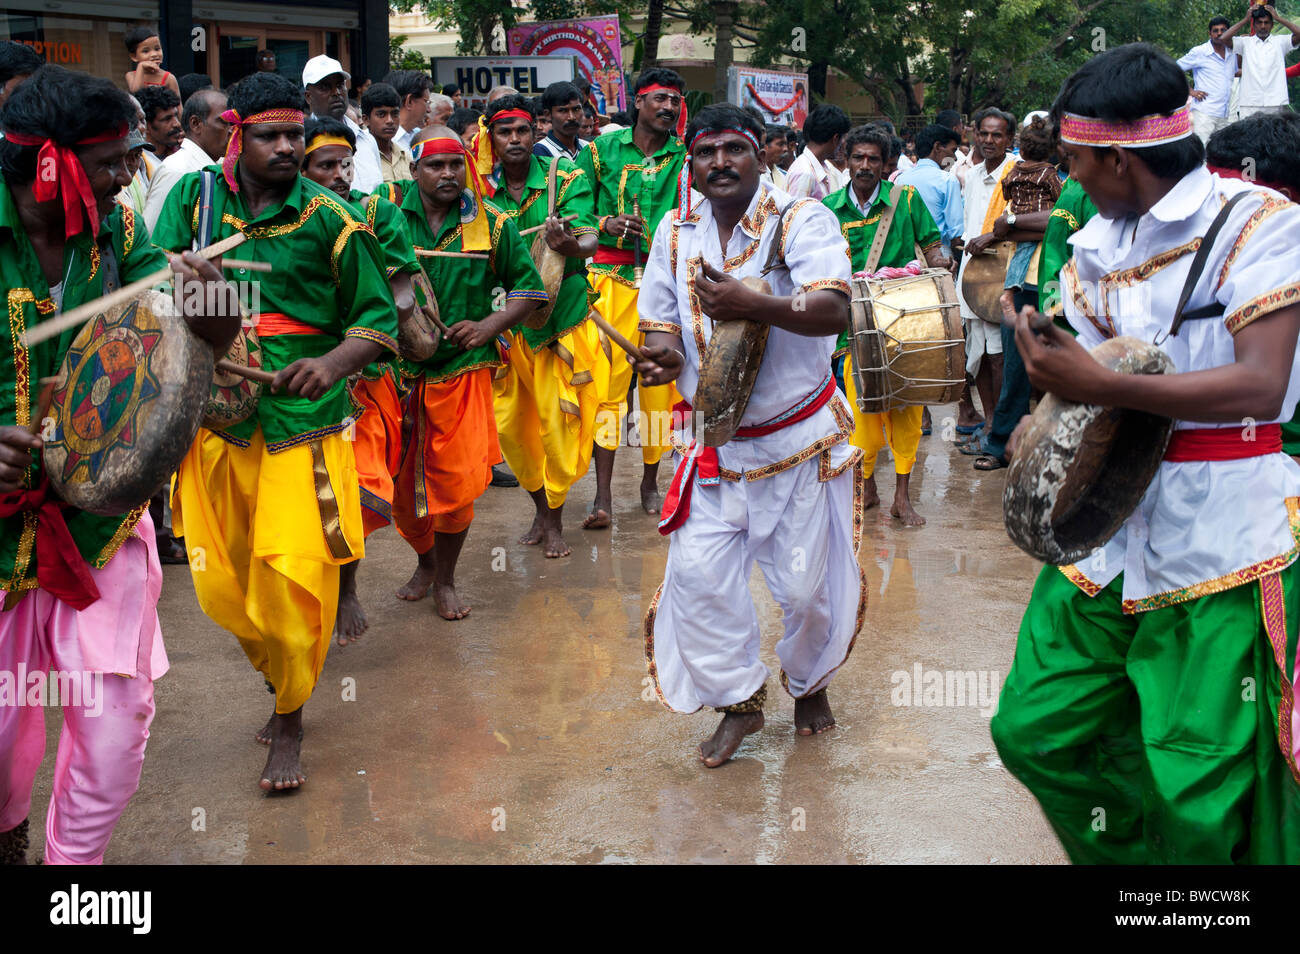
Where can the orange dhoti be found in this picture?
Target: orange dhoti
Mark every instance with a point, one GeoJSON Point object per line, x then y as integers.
{"type": "Point", "coordinates": [377, 444]}
{"type": "Point", "coordinates": [447, 461]}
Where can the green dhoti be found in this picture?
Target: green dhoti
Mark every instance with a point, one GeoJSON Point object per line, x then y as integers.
{"type": "Point", "coordinates": [1155, 738]}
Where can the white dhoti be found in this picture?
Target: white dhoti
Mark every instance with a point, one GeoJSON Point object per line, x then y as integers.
{"type": "Point", "coordinates": [802, 527]}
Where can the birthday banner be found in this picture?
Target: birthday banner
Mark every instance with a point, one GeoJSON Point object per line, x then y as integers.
{"type": "Point", "coordinates": [781, 97]}
{"type": "Point", "coordinates": [596, 44]}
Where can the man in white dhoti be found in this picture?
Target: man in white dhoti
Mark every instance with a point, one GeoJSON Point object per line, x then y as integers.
{"type": "Point", "coordinates": [785, 491]}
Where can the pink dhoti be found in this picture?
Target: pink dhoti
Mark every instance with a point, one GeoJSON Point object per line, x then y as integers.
{"type": "Point", "coordinates": [106, 658]}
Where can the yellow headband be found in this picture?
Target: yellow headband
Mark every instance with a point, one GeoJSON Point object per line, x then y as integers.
{"type": "Point", "coordinates": [319, 141]}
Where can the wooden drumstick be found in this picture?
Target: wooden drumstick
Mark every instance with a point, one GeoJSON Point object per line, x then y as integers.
{"type": "Point", "coordinates": [246, 265]}
{"type": "Point", "coordinates": [253, 374]}
{"type": "Point", "coordinates": [637, 270]}
{"type": "Point", "coordinates": [614, 335]}
{"type": "Point", "coordinates": [43, 402]}
{"type": "Point", "coordinates": [434, 253]}
{"type": "Point", "coordinates": [83, 313]}
{"type": "Point", "coordinates": [538, 228]}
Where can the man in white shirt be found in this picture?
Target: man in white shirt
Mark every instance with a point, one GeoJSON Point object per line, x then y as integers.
{"type": "Point", "coordinates": [785, 485]}
{"type": "Point", "coordinates": [994, 129]}
{"type": "Point", "coordinates": [1213, 66]}
{"type": "Point", "coordinates": [811, 175]}
{"type": "Point", "coordinates": [1152, 682]}
{"type": "Point", "coordinates": [1263, 61]}
{"type": "Point", "coordinates": [325, 87]}
{"type": "Point", "coordinates": [206, 135]}
{"type": "Point", "coordinates": [415, 89]}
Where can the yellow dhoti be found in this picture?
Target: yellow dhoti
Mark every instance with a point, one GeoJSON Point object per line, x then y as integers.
{"type": "Point", "coordinates": [617, 304]}
{"type": "Point", "coordinates": [899, 428]}
{"type": "Point", "coordinates": [270, 574]}
{"type": "Point", "coordinates": [545, 404]}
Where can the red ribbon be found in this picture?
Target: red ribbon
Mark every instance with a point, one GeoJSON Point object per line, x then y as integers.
{"type": "Point", "coordinates": [703, 461]}
{"type": "Point", "coordinates": [774, 110]}
{"type": "Point", "coordinates": [1224, 443]}
{"type": "Point", "coordinates": [60, 569]}
{"type": "Point", "coordinates": [60, 174]}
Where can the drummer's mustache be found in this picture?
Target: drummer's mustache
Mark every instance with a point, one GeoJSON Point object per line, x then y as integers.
{"type": "Point", "coordinates": [720, 175]}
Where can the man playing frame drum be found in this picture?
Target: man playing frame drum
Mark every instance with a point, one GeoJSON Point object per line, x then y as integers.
{"type": "Point", "coordinates": [785, 491]}
{"type": "Point", "coordinates": [861, 206]}
{"type": "Point", "coordinates": [1149, 707]}
{"type": "Point", "coordinates": [271, 506]}
{"type": "Point", "coordinates": [81, 591]}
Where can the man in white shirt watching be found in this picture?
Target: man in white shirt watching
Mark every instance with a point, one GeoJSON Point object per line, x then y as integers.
{"type": "Point", "coordinates": [325, 87]}
{"type": "Point", "coordinates": [1213, 67]}
{"type": "Point", "coordinates": [206, 135]}
{"type": "Point", "coordinates": [811, 175]}
{"type": "Point", "coordinates": [1263, 61]}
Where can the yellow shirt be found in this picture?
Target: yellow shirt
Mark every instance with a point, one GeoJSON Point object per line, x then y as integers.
{"type": "Point", "coordinates": [397, 168]}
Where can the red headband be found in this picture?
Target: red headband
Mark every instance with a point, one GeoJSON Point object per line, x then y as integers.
{"type": "Point", "coordinates": [681, 115]}
{"type": "Point", "coordinates": [236, 144]}
{"type": "Point", "coordinates": [684, 177]}
{"type": "Point", "coordinates": [450, 146]}
{"type": "Point", "coordinates": [510, 114]}
{"type": "Point", "coordinates": [60, 174]}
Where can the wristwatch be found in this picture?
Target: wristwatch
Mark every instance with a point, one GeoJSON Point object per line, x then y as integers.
{"type": "Point", "coordinates": [1011, 219]}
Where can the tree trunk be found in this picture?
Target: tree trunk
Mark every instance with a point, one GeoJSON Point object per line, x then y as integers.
{"type": "Point", "coordinates": [654, 22]}
{"type": "Point", "coordinates": [817, 79]}
{"type": "Point", "coordinates": [485, 28]}
{"type": "Point", "coordinates": [724, 15]}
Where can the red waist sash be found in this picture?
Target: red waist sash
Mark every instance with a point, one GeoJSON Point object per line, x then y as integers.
{"type": "Point", "coordinates": [270, 323]}
{"type": "Point", "coordinates": [702, 461]}
{"type": "Point", "coordinates": [1224, 443]}
{"type": "Point", "coordinates": [613, 256]}
{"type": "Point", "coordinates": [60, 569]}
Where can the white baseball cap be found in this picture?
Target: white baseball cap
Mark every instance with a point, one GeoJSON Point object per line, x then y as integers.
{"type": "Point", "coordinates": [1029, 118]}
{"type": "Point", "coordinates": [319, 67]}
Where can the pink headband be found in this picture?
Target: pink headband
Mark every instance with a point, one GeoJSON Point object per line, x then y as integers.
{"type": "Point", "coordinates": [1153, 130]}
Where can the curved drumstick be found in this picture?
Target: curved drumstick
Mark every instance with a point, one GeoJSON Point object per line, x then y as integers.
{"type": "Point", "coordinates": [615, 336]}
{"type": "Point", "coordinates": [83, 313]}
{"type": "Point", "coordinates": [253, 374]}
{"type": "Point", "coordinates": [538, 228]}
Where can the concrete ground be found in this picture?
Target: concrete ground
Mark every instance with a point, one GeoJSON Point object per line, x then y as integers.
{"type": "Point", "coordinates": [526, 733]}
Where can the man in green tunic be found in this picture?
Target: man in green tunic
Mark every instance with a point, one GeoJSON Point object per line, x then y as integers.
{"type": "Point", "coordinates": [486, 284]}
{"type": "Point", "coordinates": [634, 178]}
{"type": "Point", "coordinates": [273, 503]}
{"type": "Point", "coordinates": [80, 590]}
{"type": "Point", "coordinates": [546, 401]}
{"type": "Point", "coordinates": [861, 206]}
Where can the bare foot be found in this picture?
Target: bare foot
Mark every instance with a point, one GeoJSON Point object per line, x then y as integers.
{"type": "Point", "coordinates": [651, 500]}
{"type": "Point", "coordinates": [535, 533]}
{"type": "Point", "coordinates": [870, 496]}
{"type": "Point", "coordinates": [283, 766]}
{"type": "Point", "coordinates": [263, 736]}
{"type": "Point", "coordinates": [448, 603]}
{"type": "Point", "coordinates": [812, 714]}
{"type": "Point", "coordinates": [553, 543]}
{"type": "Point", "coordinates": [598, 518]}
{"type": "Point", "coordinates": [722, 745]}
{"type": "Point", "coordinates": [417, 587]}
{"type": "Point", "coordinates": [904, 511]}
{"type": "Point", "coordinates": [351, 620]}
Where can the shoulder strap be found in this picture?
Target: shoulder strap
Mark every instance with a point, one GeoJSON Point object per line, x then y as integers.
{"type": "Point", "coordinates": [206, 231]}
{"type": "Point", "coordinates": [882, 234]}
{"type": "Point", "coordinates": [776, 255]}
{"type": "Point", "coordinates": [1214, 309]}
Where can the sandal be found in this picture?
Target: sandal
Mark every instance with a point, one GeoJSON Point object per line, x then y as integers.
{"type": "Point", "coordinates": [171, 553]}
{"type": "Point", "coordinates": [990, 463]}
{"type": "Point", "coordinates": [969, 428]}
{"type": "Point", "coordinates": [974, 448]}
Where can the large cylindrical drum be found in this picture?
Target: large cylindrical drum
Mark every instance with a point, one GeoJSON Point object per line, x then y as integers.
{"type": "Point", "coordinates": [1080, 470]}
{"type": "Point", "coordinates": [127, 402]}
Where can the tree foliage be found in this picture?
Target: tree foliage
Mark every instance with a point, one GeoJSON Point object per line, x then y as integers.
{"type": "Point", "coordinates": [400, 58]}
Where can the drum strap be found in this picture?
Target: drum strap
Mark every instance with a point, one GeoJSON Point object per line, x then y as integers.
{"type": "Point", "coordinates": [1213, 309]}
{"type": "Point", "coordinates": [881, 236]}
{"type": "Point", "coordinates": [205, 233]}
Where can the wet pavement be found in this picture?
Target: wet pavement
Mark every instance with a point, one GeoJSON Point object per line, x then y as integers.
{"type": "Point", "coordinates": [527, 732]}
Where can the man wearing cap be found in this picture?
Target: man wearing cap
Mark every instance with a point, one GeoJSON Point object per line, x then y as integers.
{"type": "Point", "coordinates": [377, 440]}
{"type": "Point", "coordinates": [546, 403]}
{"type": "Point", "coordinates": [272, 503]}
{"type": "Point", "coordinates": [484, 286]}
{"type": "Point", "coordinates": [80, 590]}
{"type": "Point", "coordinates": [206, 135]}
{"type": "Point", "coordinates": [785, 493]}
{"type": "Point", "coordinates": [325, 86]}
{"type": "Point", "coordinates": [630, 169]}
{"type": "Point", "coordinates": [1150, 705]}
